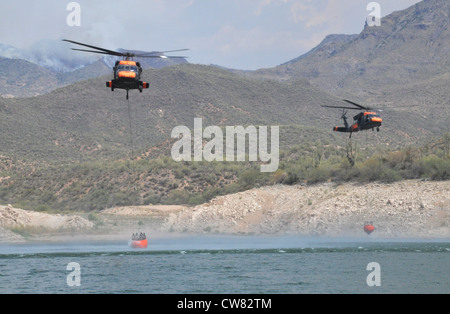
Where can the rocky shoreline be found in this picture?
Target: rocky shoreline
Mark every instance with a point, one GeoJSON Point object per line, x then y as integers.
{"type": "Point", "coordinates": [403, 209]}
{"type": "Point", "coordinates": [406, 209]}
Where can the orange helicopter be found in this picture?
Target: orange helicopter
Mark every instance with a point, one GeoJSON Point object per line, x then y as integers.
{"type": "Point", "coordinates": [366, 120]}
{"type": "Point", "coordinates": [127, 73]}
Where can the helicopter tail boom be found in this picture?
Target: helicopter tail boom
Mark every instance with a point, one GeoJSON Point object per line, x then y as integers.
{"type": "Point", "coordinates": [342, 129]}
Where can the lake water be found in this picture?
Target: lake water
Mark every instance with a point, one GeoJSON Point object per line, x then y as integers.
{"type": "Point", "coordinates": [228, 265]}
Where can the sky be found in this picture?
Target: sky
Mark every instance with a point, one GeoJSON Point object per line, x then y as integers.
{"type": "Point", "coordinates": [239, 34]}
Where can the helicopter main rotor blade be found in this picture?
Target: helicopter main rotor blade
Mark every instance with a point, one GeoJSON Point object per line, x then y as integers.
{"type": "Point", "coordinates": [340, 107]}
{"type": "Point", "coordinates": [173, 50]}
{"type": "Point", "coordinates": [357, 105]}
{"type": "Point", "coordinates": [156, 54]}
{"type": "Point", "coordinates": [107, 51]}
{"type": "Point", "coordinates": [159, 53]}
{"type": "Point", "coordinates": [162, 57]}
{"type": "Point", "coordinates": [362, 107]}
{"type": "Point", "coordinates": [101, 52]}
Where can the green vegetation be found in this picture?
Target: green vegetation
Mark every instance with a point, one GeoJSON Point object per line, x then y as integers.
{"type": "Point", "coordinates": [431, 161]}
{"type": "Point", "coordinates": [98, 185]}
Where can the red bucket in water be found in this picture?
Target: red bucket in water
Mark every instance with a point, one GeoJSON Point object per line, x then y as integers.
{"type": "Point", "coordinates": [139, 241]}
{"type": "Point", "coordinates": [369, 228]}
{"type": "Point", "coordinates": [139, 244]}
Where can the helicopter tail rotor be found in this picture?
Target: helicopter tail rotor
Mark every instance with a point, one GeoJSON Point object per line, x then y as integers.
{"type": "Point", "coordinates": [344, 117]}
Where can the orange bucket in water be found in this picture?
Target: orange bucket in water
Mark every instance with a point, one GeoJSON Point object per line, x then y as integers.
{"type": "Point", "coordinates": [139, 241]}
{"type": "Point", "coordinates": [139, 244]}
{"type": "Point", "coordinates": [369, 228]}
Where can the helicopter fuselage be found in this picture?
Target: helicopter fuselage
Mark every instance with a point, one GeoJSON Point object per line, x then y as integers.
{"type": "Point", "coordinates": [127, 76]}
{"type": "Point", "coordinates": [365, 120]}
{"type": "Point", "coordinates": [362, 121]}
{"type": "Point", "coordinates": [127, 73]}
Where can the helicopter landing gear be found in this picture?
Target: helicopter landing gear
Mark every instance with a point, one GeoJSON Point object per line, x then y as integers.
{"type": "Point", "coordinates": [140, 89]}
{"type": "Point", "coordinates": [127, 94]}
{"type": "Point", "coordinates": [378, 129]}
{"type": "Point", "coordinates": [111, 85]}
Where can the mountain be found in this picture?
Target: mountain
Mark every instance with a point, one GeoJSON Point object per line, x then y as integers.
{"type": "Point", "coordinates": [404, 63]}
{"type": "Point", "coordinates": [20, 77]}
{"type": "Point", "coordinates": [410, 45]}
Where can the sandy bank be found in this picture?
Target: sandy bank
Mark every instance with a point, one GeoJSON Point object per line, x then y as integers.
{"type": "Point", "coordinates": [16, 218]}
{"type": "Point", "coordinates": [415, 209]}
{"type": "Point", "coordinates": [403, 209]}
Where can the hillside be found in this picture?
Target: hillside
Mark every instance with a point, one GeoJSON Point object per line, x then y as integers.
{"type": "Point", "coordinates": [402, 64]}
{"type": "Point", "coordinates": [20, 77]}
{"type": "Point", "coordinates": [86, 120]}
{"type": "Point", "coordinates": [154, 178]}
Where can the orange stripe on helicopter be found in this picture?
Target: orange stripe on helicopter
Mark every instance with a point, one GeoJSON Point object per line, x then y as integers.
{"type": "Point", "coordinates": [124, 62]}
{"type": "Point", "coordinates": [127, 74]}
{"type": "Point", "coordinates": [377, 120]}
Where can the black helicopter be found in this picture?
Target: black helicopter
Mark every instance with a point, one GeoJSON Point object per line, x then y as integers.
{"type": "Point", "coordinates": [127, 73]}
{"type": "Point", "coordinates": [368, 119]}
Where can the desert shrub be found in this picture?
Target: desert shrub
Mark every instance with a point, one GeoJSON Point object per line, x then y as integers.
{"type": "Point", "coordinates": [389, 175]}
{"type": "Point", "coordinates": [289, 177]}
{"type": "Point", "coordinates": [345, 172]}
{"type": "Point", "coordinates": [119, 199]}
{"type": "Point", "coordinates": [369, 170]}
{"type": "Point", "coordinates": [152, 199]}
{"type": "Point", "coordinates": [43, 208]}
{"type": "Point", "coordinates": [252, 178]}
{"type": "Point", "coordinates": [319, 174]}
{"type": "Point", "coordinates": [433, 167]}
{"type": "Point", "coordinates": [177, 197]}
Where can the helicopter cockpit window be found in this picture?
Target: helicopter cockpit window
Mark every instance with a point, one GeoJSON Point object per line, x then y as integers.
{"type": "Point", "coordinates": [121, 68]}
